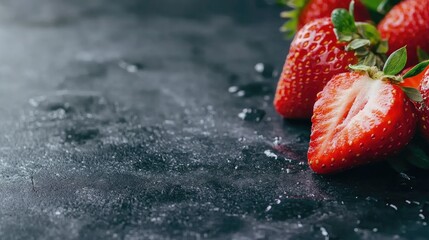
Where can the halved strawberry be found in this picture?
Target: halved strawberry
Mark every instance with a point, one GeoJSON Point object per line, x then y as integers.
{"type": "Point", "coordinates": [321, 49]}
{"type": "Point", "coordinates": [361, 117]}
{"type": "Point", "coordinates": [407, 24]}
{"type": "Point", "coordinates": [305, 11]}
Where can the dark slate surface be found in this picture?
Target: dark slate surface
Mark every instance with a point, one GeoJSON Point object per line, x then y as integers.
{"type": "Point", "coordinates": [145, 119]}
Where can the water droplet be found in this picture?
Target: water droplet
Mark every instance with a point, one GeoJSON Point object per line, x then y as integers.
{"type": "Point", "coordinates": [252, 115]}
{"type": "Point", "coordinates": [130, 67]}
{"type": "Point", "coordinates": [71, 101]}
{"type": "Point", "coordinates": [424, 211]}
{"type": "Point", "coordinates": [265, 70]}
{"type": "Point", "coordinates": [270, 154]}
{"type": "Point", "coordinates": [252, 89]}
{"type": "Point", "coordinates": [324, 232]}
{"type": "Point", "coordinates": [267, 98]}
{"type": "Point", "coordinates": [241, 93]}
{"type": "Point", "coordinates": [393, 206]}
{"type": "Point", "coordinates": [277, 141]}
{"type": "Point", "coordinates": [233, 89]}
{"type": "Point", "coordinates": [405, 176]}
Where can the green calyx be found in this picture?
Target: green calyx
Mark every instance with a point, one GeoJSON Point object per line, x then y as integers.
{"type": "Point", "coordinates": [385, 5]}
{"type": "Point", "coordinates": [422, 55]}
{"type": "Point", "coordinates": [393, 66]}
{"type": "Point", "coordinates": [362, 38]}
{"type": "Point", "coordinates": [291, 26]}
{"type": "Point", "coordinates": [413, 156]}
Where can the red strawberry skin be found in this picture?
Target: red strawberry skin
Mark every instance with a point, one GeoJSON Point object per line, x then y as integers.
{"type": "Point", "coordinates": [407, 24]}
{"type": "Point", "coordinates": [315, 56]}
{"type": "Point", "coordinates": [358, 120]}
{"type": "Point", "coordinates": [424, 109]}
{"type": "Point", "coordinates": [412, 82]}
{"type": "Point", "coordinates": [316, 9]}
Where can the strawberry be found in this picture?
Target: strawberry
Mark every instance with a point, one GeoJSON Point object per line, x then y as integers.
{"type": "Point", "coordinates": [322, 49]}
{"type": "Point", "coordinates": [305, 11]}
{"type": "Point", "coordinates": [420, 81]}
{"type": "Point", "coordinates": [362, 117]}
{"type": "Point", "coordinates": [424, 107]}
{"type": "Point", "coordinates": [406, 24]}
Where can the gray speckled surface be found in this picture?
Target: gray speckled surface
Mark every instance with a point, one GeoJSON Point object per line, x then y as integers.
{"type": "Point", "coordinates": [117, 123]}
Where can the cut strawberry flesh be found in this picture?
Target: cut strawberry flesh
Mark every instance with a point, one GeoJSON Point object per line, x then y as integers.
{"type": "Point", "coordinates": [357, 119]}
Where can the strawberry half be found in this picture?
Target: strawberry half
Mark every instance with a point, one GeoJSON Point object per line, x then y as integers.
{"type": "Point", "coordinates": [407, 24]}
{"type": "Point", "coordinates": [322, 49]}
{"type": "Point", "coordinates": [305, 11]}
{"type": "Point", "coordinates": [362, 117]}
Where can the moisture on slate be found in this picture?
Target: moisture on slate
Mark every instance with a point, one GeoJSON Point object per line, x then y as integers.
{"type": "Point", "coordinates": [118, 121]}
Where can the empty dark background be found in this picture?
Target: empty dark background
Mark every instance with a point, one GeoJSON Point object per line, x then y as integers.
{"type": "Point", "coordinates": [127, 120]}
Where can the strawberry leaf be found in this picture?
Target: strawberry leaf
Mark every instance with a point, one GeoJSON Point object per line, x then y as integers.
{"type": "Point", "coordinates": [383, 47]}
{"type": "Point", "coordinates": [371, 4]}
{"type": "Point", "coordinates": [360, 67]}
{"type": "Point", "coordinates": [291, 26]}
{"type": "Point", "coordinates": [413, 94]}
{"type": "Point", "coordinates": [417, 156]}
{"type": "Point", "coordinates": [385, 6]}
{"type": "Point", "coordinates": [416, 70]}
{"type": "Point", "coordinates": [352, 8]}
{"type": "Point", "coordinates": [400, 165]}
{"type": "Point", "coordinates": [369, 32]}
{"type": "Point", "coordinates": [358, 43]}
{"type": "Point", "coordinates": [396, 62]}
{"type": "Point", "coordinates": [362, 38]}
{"type": "Point", "coordinates": [344, 24]}
{"type": "Point", "coordinates": [422, 55]}
{"type": "Point", "coordinates": [281, 2]}
{"type": "Point", "coordinates": [370, 60]}
{"type": "Point", "coordinates": [362, 52]}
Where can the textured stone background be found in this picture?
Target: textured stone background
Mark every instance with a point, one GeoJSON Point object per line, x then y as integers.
{"type": "Point", "coordinates": [145, 119]}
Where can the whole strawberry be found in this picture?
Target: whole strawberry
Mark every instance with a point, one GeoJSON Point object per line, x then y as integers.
{"type": "Point", "coordinates": [362, 117]}
{"type": "Point", "coordinates": [407, 24]}
{"type": "Point", "coordinates": [424, 107]}
{"type": "Point", "coordinates": [320, 50]}
{"type": "Point", "coordinates": [414, 79]}
{"type": "Point", "coordinates": [305, 11]}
